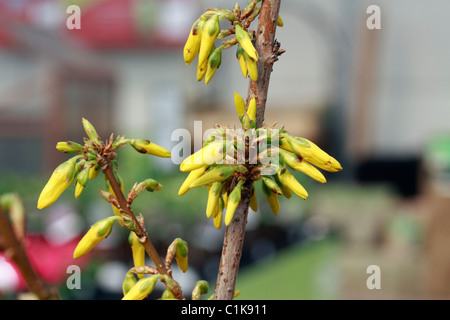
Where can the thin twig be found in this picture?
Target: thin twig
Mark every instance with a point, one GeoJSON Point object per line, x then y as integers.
{"type": "Point", "coordinates": [141, 232]}
{"type": "Point", "coordinates": [15, 249]}
{"type": "Point", "coordinates": [234, 235]}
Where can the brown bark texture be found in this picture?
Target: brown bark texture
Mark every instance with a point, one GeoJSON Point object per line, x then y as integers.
{"type": "Point", "coordinates": [235, 232]}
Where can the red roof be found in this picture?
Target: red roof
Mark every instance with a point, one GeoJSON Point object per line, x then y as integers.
{"type": "Point", "coordinates": [106, 24]}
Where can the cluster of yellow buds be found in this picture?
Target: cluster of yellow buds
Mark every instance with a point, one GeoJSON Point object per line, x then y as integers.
{"type": "Point", "coordinates": [134, 289]}
{"type": "Point", "coordinates": [232, 160]}
{"type": "Point", "coordinates": [206, 29]}
{"type": "Point", "coordinates": [85, 165]}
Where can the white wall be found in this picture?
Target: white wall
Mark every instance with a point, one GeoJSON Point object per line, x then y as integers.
{"type": "Point", "coordinates": [412, 95]}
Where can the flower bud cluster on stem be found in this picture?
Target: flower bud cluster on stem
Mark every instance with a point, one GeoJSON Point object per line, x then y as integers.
{"type": "Point", "coordinates": [95, 156]}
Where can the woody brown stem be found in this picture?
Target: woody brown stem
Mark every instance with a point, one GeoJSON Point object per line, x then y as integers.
{"type": "Point", "coordinates": [15, 249]}
{"type": "Point", "coordinates": [265, 45]}
{"type": "Point", "coordinates": [234, 235]}
{"type": "Point", "coordinates": [141, 233]}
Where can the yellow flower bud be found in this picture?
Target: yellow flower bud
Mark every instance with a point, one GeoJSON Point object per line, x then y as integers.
{"type": "Point", "coordinates": [240, 55]}
{"type": "Point", "coordinates": [128, 283]}
{"type": "Point", "coordinates": [181, 255]}
{"type": "Point", "coordinates": [310, 152]}
{"type": "Point", "coordinates": [78, 189]}
{"type": "Point", "coordinates": [284, 144]}
{"type": "Point", "coordinates": [94, 171]}
{"type": "Point", "coordinates": [210, 154]}
{"type": "Point", "coordinates": [233, 202]}
{"type": "Point", "coordinates": [216, 174]}
{"type": "Point", "coordinates": [137, 250]}
{"type": "Point", "coordinates": [244, 40]}
{"type": "Point", "coordinates": [192, 45]}
{"type": "Point", "coordinates": [272, 199]}
{"type": "Point", "coordinates": [214, 61]}
{"type": "Point", "coordinates": [285, 190]}
{"type": "Point", "coordinates": [98, 231]}
{"type": "Point", "coordinates": [219, 215]}
{"type": "Point", "coordinates": [214, 194]}
{"type": "Point", "coordinates": [240, 105]}
{"type": "Point", "coordinates": [201, 287]}
{"type": "Point", "coordinates": [252, 69]}
{"type": "Point", "coordinates": [301, 165]}
{"type": "Point", "coordinates": [280, 22]}
{"type": "Point", "coordinates": [82, 180]}
{"type": "Point", "coordinates": [201, 69]}
{"type": "Point", "coordinates": [271, 185]}
{"type": "Point", "coordinates": [216, 209]}
{"type": "Point", "coordinates": [202, 66]}
{"type": "Point", "coordinates": [210, 30]}
{"type": "Point", "coordinates": [61, 178]}
{"type": "Point", "coordinates": [289, 180]}
{"type": "Point", "coordinates": [142, 288]}
{"type": "Point", "coordinates": [150, 185]}
{"type": "Point", "coordinates": [68, 146]}
{"type": "Point", "coordinates": [90, 130]}
{"type": "Point", "coordinates": [145, 146]}
{"type": "Point", "coordinates": [168, 295]}
{"type": "Point", "coordinates": [251, 111]}
{"type": "Point", "coordinates": [193, 175]}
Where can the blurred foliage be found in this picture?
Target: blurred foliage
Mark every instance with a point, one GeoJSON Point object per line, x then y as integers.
{"type": "Point", "coordinates": [296, 273]}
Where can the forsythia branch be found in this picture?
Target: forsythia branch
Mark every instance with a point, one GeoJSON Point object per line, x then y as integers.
{"type": "Point", "coordinates": [141, 232]}
{"type": "Point", "coordinates": [234, 236]}
{"type": "Point", "coordinates": [15, 248]}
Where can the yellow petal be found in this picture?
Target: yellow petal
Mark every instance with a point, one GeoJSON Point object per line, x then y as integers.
{"type": "Point", "coordinates": [146, 146]}
{"type": "Point", "coordinates": [280, 22]}
{"type": "Point", "coordinates": [210, 154]}
{"type": "Point", "coordinates": [284, 144]}
{"type": "Point", "coordinates": [218, 219]}
{"type": "Point", "coordinates": [216, 174]}
{"type": "Point", "coordinates": [243, 66]}
{"type": "Point", "coordinates": [244, 40]}
{"type": "Point", "coordinates": [193, 175]}
{"type": "Point", "coordinates": [233, 202]}
{"type": "Point", "coordinates": [128, 283]}
{"type": "Point", "coordinates": [141, 289]}
{"type": "Point", "coordinates": [251, 111]}
{"type": "Point", "coordinates": [98, 231]}
{"type": "Point", "coordinates": [210, 30]}
{"type": "Point", "coordinates": [214, 194]}
{"type": "Point", "coordinates": [61, 178]}
{"type": "Point", "coordinates": [93, 172]}
{"type": "Point", "coordinates": [272, 199]}
{"type": "Point", "coordinates": [301, 165]}
{"type": "Point", "coordinates": [289, 180]}
{"type": "Point", "coordinates": [192, 45]}
{"type": "Point", "coordinates": [252, 69]}
{"type": "Point", "coordinates": [240, 104]}
{"type": "Point", "coordinates": [138, 251]}
{"type": "Point", "coordinates": [78, 189]}
{"type": "Point", "coordinates": [314, 154]}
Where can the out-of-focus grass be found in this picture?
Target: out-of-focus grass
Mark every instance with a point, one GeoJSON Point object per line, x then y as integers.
{"type": "Point", "coordinates": [302, 272]}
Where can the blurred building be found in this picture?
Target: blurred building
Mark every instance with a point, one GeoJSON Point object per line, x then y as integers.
{"type": "Point", "coordinates": [373, 98]}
